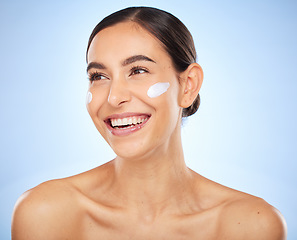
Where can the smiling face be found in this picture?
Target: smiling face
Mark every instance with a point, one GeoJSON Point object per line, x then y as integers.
{"type": "Point", "coordinates": [124, 61]}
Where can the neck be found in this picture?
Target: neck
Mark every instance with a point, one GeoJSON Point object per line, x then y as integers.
{"type": "Point", "coordinates": [155, 181]}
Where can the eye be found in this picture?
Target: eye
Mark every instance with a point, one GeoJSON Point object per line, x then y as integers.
{"type": "Point", "coordinates": [138, 70]}
{"type": "Point", "coordinates": [95, 76]}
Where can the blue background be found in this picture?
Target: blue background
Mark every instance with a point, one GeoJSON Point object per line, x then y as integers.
{"type": "Point", "coordinates": [243, 136]}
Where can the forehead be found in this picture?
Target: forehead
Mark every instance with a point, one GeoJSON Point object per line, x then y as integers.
{"type": "Point", "coordinates": [123, 40]}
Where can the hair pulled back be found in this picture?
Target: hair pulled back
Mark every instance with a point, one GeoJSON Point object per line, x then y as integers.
{"type": "Point", "coordinates": [169, 30]}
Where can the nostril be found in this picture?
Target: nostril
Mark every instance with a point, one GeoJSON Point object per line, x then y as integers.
{"type": "Point", "coordinates": [115, 100]}
{"type": "Point", "coordinates": [118, 95]}
{"type": "Point", "coordinates": [122, 102]}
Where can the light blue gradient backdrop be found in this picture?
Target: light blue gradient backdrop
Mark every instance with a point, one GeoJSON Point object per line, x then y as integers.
{"type": "Point", "coordinates": [243, 136]}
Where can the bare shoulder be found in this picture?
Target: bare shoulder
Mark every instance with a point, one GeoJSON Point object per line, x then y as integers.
{"type": "Point", "coordinates": [250, 217]}
{"type": "Point", "coordinates": [56, 209]}
{"type": "Point", "coordinates": [45, 211]}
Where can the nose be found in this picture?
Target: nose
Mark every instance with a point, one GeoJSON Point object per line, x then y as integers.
{"type": "Point", "coordinates": [118, 93]}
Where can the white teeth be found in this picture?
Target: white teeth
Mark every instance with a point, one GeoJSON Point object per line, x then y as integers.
{"type": "Point", "coordinates": [116, 122]}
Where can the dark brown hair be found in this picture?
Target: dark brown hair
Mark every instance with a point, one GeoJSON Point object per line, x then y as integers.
{"type": "Point", "coordinates": [169, 30]}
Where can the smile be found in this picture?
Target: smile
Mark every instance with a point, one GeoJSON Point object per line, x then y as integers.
{"type": "Point", "coordinates": [127, 123]}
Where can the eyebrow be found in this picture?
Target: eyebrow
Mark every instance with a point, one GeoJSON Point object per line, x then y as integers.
{"type": "Point", "coordinates": [126, 62]}
{"type": "Point", "coordinates": [95, 65]}
{"type": "Point", "coordinates": [136, 58]}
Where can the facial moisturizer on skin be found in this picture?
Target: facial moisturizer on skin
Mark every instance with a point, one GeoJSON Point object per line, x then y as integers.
{"type": "Point", "coordinates": [89, 97]}
{"type": "Point", "coordinates": [158, 89]}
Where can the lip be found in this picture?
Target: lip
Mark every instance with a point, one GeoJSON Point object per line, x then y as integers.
{"type": "Point", "coordinates": [126, 131]}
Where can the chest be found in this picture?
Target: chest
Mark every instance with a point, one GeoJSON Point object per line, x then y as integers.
{"type": "Point", "coordinates": [125, 227]}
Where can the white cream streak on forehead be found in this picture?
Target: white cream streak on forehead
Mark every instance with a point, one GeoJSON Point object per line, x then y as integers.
{"type": "Point", "coordinates": [158, 89]}
{"type": "Point", "coordinates": [89, 97]}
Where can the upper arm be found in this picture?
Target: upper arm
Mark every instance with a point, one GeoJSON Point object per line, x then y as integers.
{"type": "Point", "coordinates": [254, 219]}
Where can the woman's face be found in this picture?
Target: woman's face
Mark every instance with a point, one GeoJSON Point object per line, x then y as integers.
{"type": "Point", "coordinates": [124, 61]}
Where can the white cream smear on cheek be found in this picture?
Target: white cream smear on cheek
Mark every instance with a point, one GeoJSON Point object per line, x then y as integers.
{"type": "Point", "coordinates": [158, 89]}
{"type": "Point", "coordinates": [89, 97]}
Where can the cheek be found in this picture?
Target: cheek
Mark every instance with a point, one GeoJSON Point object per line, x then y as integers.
{"type": "Point", "coordinates": [89, 104]}
{"type": "Point", "coordinates": [158, 89]}
{"type": "Point", "coordinates": [158, 94]}
{"type": "Point", "coordinates": [94, 100]}
{"type": "Point", "coordinates": [154, 94]}
{"type": "Point", "coordinates": [89, 97]}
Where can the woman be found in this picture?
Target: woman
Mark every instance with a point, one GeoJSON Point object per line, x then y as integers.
{"type": "Point", "coordinates": [143, 79]}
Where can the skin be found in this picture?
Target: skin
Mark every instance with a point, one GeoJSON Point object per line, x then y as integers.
{"type": "Point", "coordinates": [147, 191]}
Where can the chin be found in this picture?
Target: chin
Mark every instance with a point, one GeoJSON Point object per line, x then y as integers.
{"type": "Point", "coordinates": [134, 150]}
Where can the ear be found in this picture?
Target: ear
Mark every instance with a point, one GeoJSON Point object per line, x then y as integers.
{"type": "Point", "coordinates": [191, 80]}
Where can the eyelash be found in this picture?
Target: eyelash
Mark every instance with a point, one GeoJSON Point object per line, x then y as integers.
{"type": "Point", "coordinates": [138, 68]}
{"type": "Point", "coordinates": [133, 71]}
{"type": "Point", "coordinates": [94, 75]}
